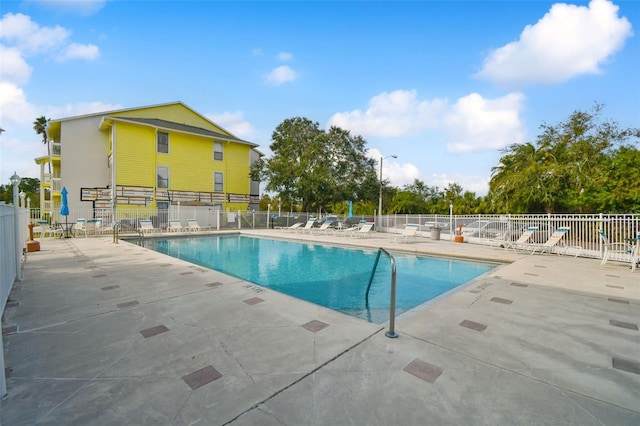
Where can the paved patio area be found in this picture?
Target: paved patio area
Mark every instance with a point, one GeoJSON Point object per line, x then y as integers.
{"type": "Point", "coordinates": [103, 333]}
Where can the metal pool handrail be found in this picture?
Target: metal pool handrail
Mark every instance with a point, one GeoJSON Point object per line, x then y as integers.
{"type": "Point", "coordinates": [392, 307]}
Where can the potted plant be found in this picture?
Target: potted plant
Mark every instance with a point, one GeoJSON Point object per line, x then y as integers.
{"type": "Point", "coordinates": [459, 238]}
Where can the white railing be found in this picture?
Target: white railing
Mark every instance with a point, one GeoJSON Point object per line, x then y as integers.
{"type": "Point", "coordinates": [10, 255]}
{"type": "Point", "coordinates": [584, 231]}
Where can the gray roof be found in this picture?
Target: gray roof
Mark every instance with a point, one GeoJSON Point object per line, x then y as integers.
{"type": "Point", "coordinates": [170, 125]}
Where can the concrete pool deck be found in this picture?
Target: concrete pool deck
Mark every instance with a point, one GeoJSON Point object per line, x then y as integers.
{"type": "Point", "coordinates": [103, 333]}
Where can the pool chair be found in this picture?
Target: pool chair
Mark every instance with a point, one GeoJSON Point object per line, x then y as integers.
{"type": "Point", "coordinates": [44, 229]}
{"type": "Point", "coordinates": [307, 226]}
{"type": "Point", "coordinates": [146, 226]}
{"type": "Point", "coordinates": [290, 228]}
{"type": "Point", "coordinates": [522, 242]}
{"type": "Point", "coordinates": [323, 229]}
{"type": "Point", "coordinates": [175, 225]}
{"type": "Point", "coordinates": [409, 233]}
{"type": "Point", "coordinates": [553, 241]}
{"type": "Point", "coordinates": [364, 231]}
{"type": "Point", "coordinates": [80, 227]}
{"type": "Point", "coordinates": [192, 225]}
{"type": "Point", "coordinates": [621, 251]}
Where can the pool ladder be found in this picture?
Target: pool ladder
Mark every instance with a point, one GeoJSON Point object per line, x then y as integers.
{"type": "Point", "coordinates": [392, 307]}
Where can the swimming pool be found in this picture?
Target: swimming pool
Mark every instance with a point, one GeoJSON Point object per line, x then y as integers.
{"type": "Point", "coordinates": [330, 276]}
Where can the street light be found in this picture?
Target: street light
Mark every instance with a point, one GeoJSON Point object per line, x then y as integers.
{"type": "Point", "coordinates": [15, 181]}
{"type": "Point", "coordinates": [379, 224]}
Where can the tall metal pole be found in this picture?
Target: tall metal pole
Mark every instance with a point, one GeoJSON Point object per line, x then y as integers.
{"type": "Point", "coordinates": [379, 224]}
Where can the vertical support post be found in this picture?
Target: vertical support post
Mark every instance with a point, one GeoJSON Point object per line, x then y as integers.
{"type": "Point", "coordinates": [15, 180]}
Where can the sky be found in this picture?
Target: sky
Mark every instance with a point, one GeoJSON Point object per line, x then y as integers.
{"type": "Point", "coordinates": [442, 85]}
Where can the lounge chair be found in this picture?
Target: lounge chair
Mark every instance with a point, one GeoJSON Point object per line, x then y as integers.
{"type": "Point", "coordinates": [324, 228]}
{"type": "Point", "coordinates": [522, 241]}
{"type": "Point", "coordinates": [290, 228]}
{"type": "Point", "coordinates": [192, 225]}
{"type": "Point", "coordinates": [44, 229]}
{"type": "Point", "coordinates": [80, 227]}
{"type": "Point", "coordinates": [307, 226]}
{"type": "Point", "coordinates": [175, 225]}
{"type": "Point", "coordinates": [146, 226]}
{"type": "Point", "coordinates": [363, 231]}
{"type": "Point", "coordinates": [615, 251]}
{"type": "Point", "coordinates": [408, 233]}
{"type": "Point", "coordinates": [553, 240]}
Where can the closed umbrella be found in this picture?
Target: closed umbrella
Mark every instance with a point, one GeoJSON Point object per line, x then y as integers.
{"type": "Point", "coordinates": [64, 210]}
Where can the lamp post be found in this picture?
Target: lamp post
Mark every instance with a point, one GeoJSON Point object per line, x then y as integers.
{"type": "Point", "coordinates": [379, 224]}
{"type": "Point", "coordinates": [15, 181]}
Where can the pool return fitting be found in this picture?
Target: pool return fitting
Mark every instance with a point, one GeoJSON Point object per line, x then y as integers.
{"type": "Point", "coordinates": [392, 307]}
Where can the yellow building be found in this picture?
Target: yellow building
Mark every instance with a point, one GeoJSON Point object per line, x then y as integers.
{"type": "Point", "coordinates": [147, 157]}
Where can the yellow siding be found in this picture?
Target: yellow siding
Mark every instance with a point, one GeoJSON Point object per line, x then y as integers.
{"type": "Point", "coordinates": [135, 155]}
{"type": "Point", "coordinates": [190, 161]}
{"type": "Point", "coordinates": [177, 113]}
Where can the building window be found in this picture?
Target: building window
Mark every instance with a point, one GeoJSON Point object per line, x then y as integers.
{"type": "Point", "coordinates": [218, 182]}
{"type": "Point", "coordinates": [163, 142]}
{"type": "Point", "coordinates": [217, 151]}
{"type": "Point", "coordinates": [162, 177]}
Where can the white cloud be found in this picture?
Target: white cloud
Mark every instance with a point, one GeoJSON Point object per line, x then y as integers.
{"type": "Point", "coordinates": [285, 56]}
{"type": "Point", "coordinates": [79, 51]}
{"type": "Point", "coordinates": [29, 37]}
{"type": "Point", "coordinates": [281, 75]}
{"type": "Point", "coordinates": [14, 68]}
{"type": "Point", "coordinates": [568, 41]}
{"type": "Point", "coordinates": [394, 114]}
{"type": "Point", "coordinates": [396, 172]}
{"type": "Point", "coordinates": [477, 184]}
{"type": "Point", "coordinates": [477, 124]}
{"type": "Point", "coordinates": [14, 107]}
{"type": "Point", "coordinates": [234, 122]}
{"type": "Point", "coordinates": [473, 123]}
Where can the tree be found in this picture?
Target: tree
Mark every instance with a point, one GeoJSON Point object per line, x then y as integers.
{"type": "Point", "coordinates": [40, 126]}
{"type": "Point", "coordinates": [316, 168]}
{"type": "Point", "coordinates": [570, 168]}
{"type": "Point", "coordinates": [30, 187]}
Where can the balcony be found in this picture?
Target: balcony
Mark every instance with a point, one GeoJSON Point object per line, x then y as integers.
{"type": "Point", "coordinates": [55, 184]}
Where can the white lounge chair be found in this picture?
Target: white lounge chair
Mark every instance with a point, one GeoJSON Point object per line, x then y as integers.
{"type": "Point", "coordinates": [363, 231]}
{"type": "Point", "coordinates": [615, 251]}
{"type": "Point", "coordinates": [522, 241]}
{"type": "Point", "coordinates": [553, 240]}
{"type": "Point", "coordinates": [44, 229]}
{"type": "Point", "coordinates": [408, 233]}
{"type": "Point", "coordinates": [192, 225]}
{"type": "Point", "coordinates": [80, 227]}
{"type": "Point", "coordinates": [307, 226]}
{"type": "Point", "coordinates": [175, 225]}
{"type": "Point", "coordinates": [146, 226]}
{"type": "Point", "coordinates": [324, 228]}
{"type": "Point", "coordinates": [290, 228]}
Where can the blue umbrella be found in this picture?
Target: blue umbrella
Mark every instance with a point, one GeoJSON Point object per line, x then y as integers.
{"type": "Point", "coordinates": [350, 209]}
{"type": "Point", "coordinates": [64, 209]}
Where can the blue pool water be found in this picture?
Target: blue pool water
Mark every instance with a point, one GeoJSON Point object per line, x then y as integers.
{"type": "Point", "coordinates": [334, 277]}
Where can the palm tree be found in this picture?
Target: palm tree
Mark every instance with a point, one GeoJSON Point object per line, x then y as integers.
{"type": "Point", "coordinates": [40, 126]}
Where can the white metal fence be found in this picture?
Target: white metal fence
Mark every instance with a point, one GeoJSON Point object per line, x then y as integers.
{"type": "Point", "coordinates": [11, 248]}
{"type": "Point", "coordinates": [584, 229]}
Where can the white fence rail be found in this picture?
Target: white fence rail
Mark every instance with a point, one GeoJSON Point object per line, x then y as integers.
{"type": "Point", "coordinates": [10, 257]}
{"type": "Point", "coordinates": [584, 229]}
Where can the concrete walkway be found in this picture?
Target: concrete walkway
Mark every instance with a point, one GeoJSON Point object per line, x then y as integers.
{"type": "Point", "coordinates": [102, 333]}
